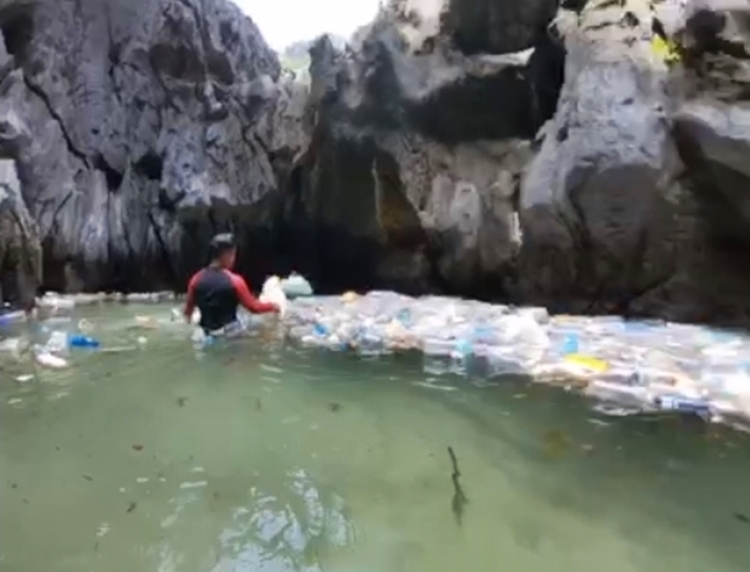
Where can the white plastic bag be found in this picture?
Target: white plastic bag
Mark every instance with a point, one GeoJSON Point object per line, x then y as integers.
{"type": "Point", "coordinates": [273, 293]}
{"type": "Point", "coordinates": [50, 361]}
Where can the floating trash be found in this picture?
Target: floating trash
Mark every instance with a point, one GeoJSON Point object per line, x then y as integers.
{"type": "Point", "coordinates": [626, 367]}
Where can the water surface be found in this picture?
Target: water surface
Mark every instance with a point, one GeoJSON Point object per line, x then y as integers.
{"type": "Point", "coordinates": [256, 456]}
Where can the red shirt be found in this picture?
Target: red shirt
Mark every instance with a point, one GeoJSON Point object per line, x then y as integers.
{"type": "Point", "coordinates": [217, 292]}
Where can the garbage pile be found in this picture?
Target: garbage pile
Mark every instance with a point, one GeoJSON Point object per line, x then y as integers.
{"type": "Point", "coordinates": [54, 334]}
{"type": "Point", "coordinates": [628, 367]}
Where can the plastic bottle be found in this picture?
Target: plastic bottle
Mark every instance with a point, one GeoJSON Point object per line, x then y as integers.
{"type": "Point", "coordinates": [570, 344]}
{"type": "Point", "coordinates": [320, 330]}
{"type": "Point", "coordinates": [11, 318]}
{"type": "Point", "coordinates": [436, 354]}
{"type": "Point", "coordinates": [13, 347]}
{"type": "Point", "coordinates": [57, 343]}
{"type": "Point", "coordinates": [404, 316]}
{"type": "Point", "coordinates": [461, 356]}
{"type": "Point", "coordinates": [369, 342]}
{"type": "Point", "coordinates": [82, 341]}
{"type": "Point", "coordinates": [46, 359]}
{"type": "Point", "coordinates": [682, 404]}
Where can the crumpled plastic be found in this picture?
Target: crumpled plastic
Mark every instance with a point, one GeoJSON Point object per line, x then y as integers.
{"type": "Point", "coordinates": [628, 366]}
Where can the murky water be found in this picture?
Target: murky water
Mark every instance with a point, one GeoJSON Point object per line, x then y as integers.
{"type": "Point", "coordinates": [258, 457]}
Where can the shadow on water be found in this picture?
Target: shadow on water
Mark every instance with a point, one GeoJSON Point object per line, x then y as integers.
{"type": "Point", "coordinates": [255, 456]}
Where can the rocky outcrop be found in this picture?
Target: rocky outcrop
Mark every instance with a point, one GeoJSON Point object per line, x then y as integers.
{"type": "Point", "coordinates": [601, 204]}
{"type": "Point", "coordinates": [537, 152]}
{"type": "Point", "coordinates": [628, 182]}
{"type": "Point", "coordinates": [20, 248]}
{"type": "Point", "coordinates": [634, 202]}
{"type": "Point", "coordinates": [411, 178]}
{"type": "Point", "coordinates": [139, 128]}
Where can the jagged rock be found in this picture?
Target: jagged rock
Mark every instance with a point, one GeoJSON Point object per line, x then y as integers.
{"type": "Point", "coordinates": [135, 129]}
{"type": "Point", "coordinates": [436, 152]}
{"type": "Point", "coordinates": [620, 210]}
{"type": "Point", "coordinates": [411, 178]}
{"type": "Point", "coordinates": [20, 249]}
{"type": "Point", "coordinates": [597, 202]}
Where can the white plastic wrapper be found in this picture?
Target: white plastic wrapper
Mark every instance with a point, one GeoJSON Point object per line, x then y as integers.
{"type": "Point", "coordinates": [273, 293]}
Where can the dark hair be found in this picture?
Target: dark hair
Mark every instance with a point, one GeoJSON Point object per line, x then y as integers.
{"type": "Point", "coordinates": [220, 244]}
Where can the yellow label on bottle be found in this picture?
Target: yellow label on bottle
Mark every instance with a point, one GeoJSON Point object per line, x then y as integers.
{"type": "Point", "coordinates": [594, 364]}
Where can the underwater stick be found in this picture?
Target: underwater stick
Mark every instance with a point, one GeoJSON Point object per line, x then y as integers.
{"type": "Point", "coordinates": [459, 498]}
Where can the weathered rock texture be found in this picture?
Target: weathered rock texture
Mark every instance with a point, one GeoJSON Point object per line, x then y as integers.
{"type": "Point", "coordinates": [631, 198]}
{"type": "Point", "coordinates": [139, 127]}
{"type": "Point", "coordinates": [635, 201]}
{"type": "Point", "coordinates": [534, 152]}
{"type": "Point", "coordinates": [20, 249]}
{"type": "Point", "coordinates": [411, 179]}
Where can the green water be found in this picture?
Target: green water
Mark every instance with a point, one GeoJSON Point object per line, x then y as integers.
{"type": "Point", "coordinates": [259, 457]}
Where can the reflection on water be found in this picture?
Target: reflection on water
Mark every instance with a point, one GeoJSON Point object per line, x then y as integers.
{"type": "Point", "coordinates": [256, 457]}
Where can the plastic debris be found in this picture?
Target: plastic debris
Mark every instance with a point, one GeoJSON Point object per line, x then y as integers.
{"type": "Point", "coordinates": [272, 292]}
{"type": "Point", "coordinates": [60, 342]}
{"type": "Point", "coordinates": [588, 363]}
{"type": "Point", "coordinates": [13, 348]}
{"type": "Point", "coordinates": [82, 341]}
{"type": "Point", "coordinates": [53, 304]}
{"type": "Point", "coordinates": [12, 318]}
{"type": "Point", "coordinates": [665, 49]}
{"type": "Point", "coordinates": [48, 360]}
{"type": "Point", "coordinates": [146, 322]}
{"type": "Point", "coordinates": [348, 297]}
{"type": "Point", "coordinates": [627, 367]}
{"type": "Point", "coordinates": [296, 286]}
{"type": "Point", "coordinates": [57, 343]}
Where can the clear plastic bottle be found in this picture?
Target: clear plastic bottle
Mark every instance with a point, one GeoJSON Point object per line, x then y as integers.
{"type": "Point", "coordinates": [57, 343]}
{"type": "Point", "coordinates": [461, 355]}
{"type": "Point", "coordinates": [437, 355]}
{"type": "Point", "coordinates": [369, 341]}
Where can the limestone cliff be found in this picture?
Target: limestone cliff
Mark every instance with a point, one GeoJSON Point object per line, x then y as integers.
{"type": "Point", "coordinates": [138, 128]}
{"type": "Point", "coordinates": [411, 179]}
{"type": "Point", "coordinates": [630, 196]}
{"type": "Point", "coordinates": [541, 151]}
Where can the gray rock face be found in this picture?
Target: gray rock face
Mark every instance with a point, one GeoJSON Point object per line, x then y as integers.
{"type": "Point", "coordinates": [496, 149]}
{"type": "Point", "coordinates": [139, 127]}
{"type": "Point", "coordinates": [598, 201]}
{"type": "Point", "coordinates": [411, 178]}
{"type": "Point", "coordinates": [20, 249]}
{"type": "Point", "coordinates": [636, 202]}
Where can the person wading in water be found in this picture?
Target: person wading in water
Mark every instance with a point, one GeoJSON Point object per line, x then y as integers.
{"type": "Point", "coordinates": [217, 291]}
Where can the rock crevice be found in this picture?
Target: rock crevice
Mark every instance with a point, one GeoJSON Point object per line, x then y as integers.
{"type": "Point", "coordinates": [589, 156]}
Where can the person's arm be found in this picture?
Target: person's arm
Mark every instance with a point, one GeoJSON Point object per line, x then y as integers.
{"type": "Point", "coordinates": [247, 300]}
{"type": "Point", "coordinates": [190, 298]}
